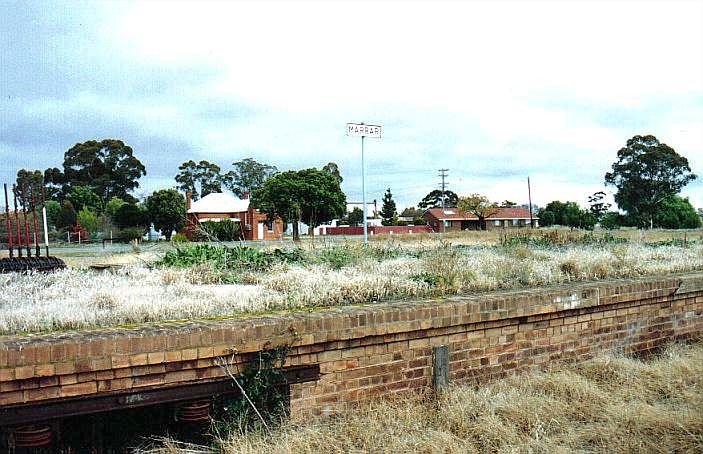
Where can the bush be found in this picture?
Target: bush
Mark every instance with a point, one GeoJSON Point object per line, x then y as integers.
{"type": "Point", "coordinates": [179, 238]}
{"type": "Point", "coordinates": [131, 233]}
{"type": "Point", "coordinates": [225, 230]}
{"type": "Point", "coordinates": [223, 257]}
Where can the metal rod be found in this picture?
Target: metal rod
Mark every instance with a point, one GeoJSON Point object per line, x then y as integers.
{"type": "Point", "coordinates": [8, 222]}
{"type": "Point", "coordinates": [23, 200]}
{"type": "Point", "coordinates": [529, 198]}
{"type": "Point", "coordinates": [36, 227]}
{"type": "Point", "coordinates": [46, 229]}
{"type": "Point", "coordinates": [17, 222]}
{"type": "Point", "coordinates": [363, 193]}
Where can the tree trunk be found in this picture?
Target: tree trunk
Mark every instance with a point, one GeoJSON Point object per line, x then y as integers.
{"type": "Point", "coordinates": [296, 233]}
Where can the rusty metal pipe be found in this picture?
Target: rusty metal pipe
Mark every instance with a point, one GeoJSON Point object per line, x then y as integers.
{"type": "Point", "coordinates": [33, 207]}
{"type": "Point", "coordinates": [23, 200]}
{"type": "Point", "coordinates": [17, 222]}
{"type": "Point", "coordinates": [8, 222]}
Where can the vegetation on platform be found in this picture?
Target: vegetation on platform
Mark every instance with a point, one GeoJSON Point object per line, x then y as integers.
{"type": "Point", "coordinates": [205, 280]}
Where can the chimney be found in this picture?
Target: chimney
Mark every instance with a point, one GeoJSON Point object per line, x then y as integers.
{"type": "Point", "coordinates": [245, 195]}
{"type": "Point", "coordinates": [187, 200]}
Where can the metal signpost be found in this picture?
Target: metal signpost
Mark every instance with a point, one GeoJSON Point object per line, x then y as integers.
{"type": "Point", "coordinates": [363, 130]}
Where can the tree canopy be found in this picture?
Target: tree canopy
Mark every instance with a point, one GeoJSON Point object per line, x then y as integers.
{"type": "Point", "coordinates": [247, 176]}
{"type": "Point", "coordinates": [333, 169]}
{"type": "Point", "coordinates": [646, 173]}
{"type": "Point", "coordinates": [389, 214]}
{"type": "Point", "coordinates": [676, 213]}
{"type": "Point", "coordinates": [109, 168]}
{"type": "Point", "coordinates": [567, 214]}
{"type": "Point", "coordinates": [309, 195]}
{"type": "Point", "coordinates": [167, 210]}
{"type": "Point", "coordinates": [478, 205]}
{"type": "Point", "coordinates": [30, 182]}
{"type": "Point", "coordinates": [434, 199]}
{"type": "Point", "coordinates": [201, 178]}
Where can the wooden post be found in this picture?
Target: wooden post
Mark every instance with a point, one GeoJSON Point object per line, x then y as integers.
{"type": "Point", "coordinates": [440, 367]}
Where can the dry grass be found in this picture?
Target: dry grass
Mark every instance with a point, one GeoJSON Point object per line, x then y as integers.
{"type": "Point", "coordinates": [82, 298]}
{"type": "Point", "coordinates": [609, 404]}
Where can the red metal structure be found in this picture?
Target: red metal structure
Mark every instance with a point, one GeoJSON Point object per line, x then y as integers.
{"type": "Point", "coordinates": [27, 263]}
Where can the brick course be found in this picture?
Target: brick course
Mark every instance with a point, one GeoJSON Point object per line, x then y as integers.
{"type": "Point", "coordinates": [364, 352]}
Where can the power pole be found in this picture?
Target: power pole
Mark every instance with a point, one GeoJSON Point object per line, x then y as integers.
{"type": "Point", "coordinates": [529, 198]}
{"type": "Point", "coordinates": [443, 175]}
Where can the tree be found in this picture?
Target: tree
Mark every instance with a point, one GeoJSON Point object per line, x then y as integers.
{"type": "Point", "coordinates": [30, 181]}
{"type": "Point", "coordinates": [83, 196]}
{"type": "Point", "coordinates": [434, 199]}
{"type": "Point", "coordinates": [566, 214]}
{"type": "Point", "coordinates": [479, 206]}
{"type": "Point", "coordinates": [112, 206]}
{"type": "Point", "coordinates": [67, 216]}
{"type": "Point", "coordinates": [109, 168]}
{"type": "Point", "coordinates": [131, 215]}
{"type": "Point", "coordinates": [333, 169]}
{"type": "Point", "coordinates": [646, 173]}
{"type": "Point", "coordinates": [597, 206]}
{"type": "Point", "coordinates": [388, 209]}
{"type": "Point", "coordinates": [88, 220]}
{"type": "Point", "coordinates": [247, 176]}
{"type": "Point", "coordinates": [53, 208]}
{"type": "Point", "coordinates": [167, 211]}
{"type": "Point", "coordinates": [508, 204]}
{"type": "Point", "coordinates": [308, 195]}
{"type": "Point", "coordinates": [200, 178]}
{"type": "Point", "coordinates": [54, 181]}
{"type": "Point", "coordinates": [676, 213]}
{"type": "Point", "coordinates": [356, 217]}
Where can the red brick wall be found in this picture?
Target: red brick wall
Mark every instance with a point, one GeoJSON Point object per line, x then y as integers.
{"type": "Point", "coordinates": [363, 352]}
{"type": "Point", "coordinates": [378, 230]}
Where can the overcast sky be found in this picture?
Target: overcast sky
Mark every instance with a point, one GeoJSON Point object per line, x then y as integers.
{"type": "Point", "coordinates": [493, 91]}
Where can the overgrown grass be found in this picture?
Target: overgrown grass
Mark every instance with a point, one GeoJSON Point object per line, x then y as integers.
{"type": "Point", "coordinates": [201, 280]}
{"type": "Point", "coordinates": [609, 404]}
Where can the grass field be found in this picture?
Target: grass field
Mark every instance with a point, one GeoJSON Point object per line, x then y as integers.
{"type": "Point", "coordinates": [200, 281]}
{"type": "Point", "coordinates": [610, 404]}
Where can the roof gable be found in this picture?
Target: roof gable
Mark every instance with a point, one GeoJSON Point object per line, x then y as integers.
{"type": "Point", "coordinates": [454, 214]}
{"type": "Point", "coordinates": [219, 202]}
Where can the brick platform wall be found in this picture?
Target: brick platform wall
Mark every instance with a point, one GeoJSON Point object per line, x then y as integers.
{"type": "Point", "coordinates": [362, 352]}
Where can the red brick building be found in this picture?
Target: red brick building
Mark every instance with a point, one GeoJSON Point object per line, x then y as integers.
{"type": "Point", "coordinates": [218, 206]}
{"type": "Point", "coordinates": [453, 220]}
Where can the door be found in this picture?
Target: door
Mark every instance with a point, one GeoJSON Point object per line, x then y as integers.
{"type": "Point", "coordinates": [260, 231]}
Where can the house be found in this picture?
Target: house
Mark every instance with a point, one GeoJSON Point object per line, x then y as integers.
{"type": "Point", "coordinates": [453, 220]}
{"type": "Point", "coordinates": [409, 214]}
{"type": "Point", "coordinates": [217, 206]}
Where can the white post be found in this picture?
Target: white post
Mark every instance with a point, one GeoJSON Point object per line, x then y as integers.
{"type": "Point", "coordinates": [363, 193]}
{"type": "Point", "coordinates": [79, 236]}
{"type": "Point", "coordinates": [68, 234]}
{"type": "Point", "coordinates": [46, 228]}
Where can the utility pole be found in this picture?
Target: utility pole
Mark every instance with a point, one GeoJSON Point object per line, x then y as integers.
{"type": "Point", "coordinates": [443, 175]}
{"type": "Point", "coordinates": [529, 198]}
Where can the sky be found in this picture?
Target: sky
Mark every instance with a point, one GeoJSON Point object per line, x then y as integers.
{"type": "Point", "coordinates": [493, 91]}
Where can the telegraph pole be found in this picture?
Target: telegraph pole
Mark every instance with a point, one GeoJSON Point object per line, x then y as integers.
{"type": "Point", "coordinates": [529, 198]}
{"type": "Point", "coordinates": [443, 175]}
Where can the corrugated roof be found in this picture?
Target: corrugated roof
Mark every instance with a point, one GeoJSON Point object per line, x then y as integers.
{"type": "Point", "coordinates": [219, 202]}
{"type": "Point", "coordinates": [450, 214]}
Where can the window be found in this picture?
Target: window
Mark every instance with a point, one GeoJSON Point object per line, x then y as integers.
{"type": "Point", "coordinates": [496, 223]}
{"type": "Point", "coordinates": [269, 226]}
{"type": "Point", "coordinates": [515, 221]}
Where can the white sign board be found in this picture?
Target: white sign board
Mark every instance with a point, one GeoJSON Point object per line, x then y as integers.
{"type": "Point", "coordinates": [359, 130]}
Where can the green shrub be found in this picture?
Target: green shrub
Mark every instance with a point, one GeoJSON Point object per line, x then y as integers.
{"type": "Point", "coordinates": [131, 233]}
{"type": "Point", "coordinates": [224, 230]}
{"type": "Point", "coordinates": [230, 258]}
{"type": "Point", "coordinates": [179, 238]}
